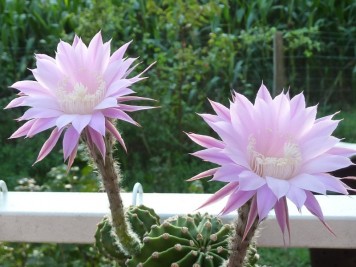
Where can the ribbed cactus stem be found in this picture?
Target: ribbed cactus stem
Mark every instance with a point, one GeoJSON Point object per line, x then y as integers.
{"type": "Point", "coordinates": [111, 180]}
{"type": "Point", "coordinates": [239, 247]}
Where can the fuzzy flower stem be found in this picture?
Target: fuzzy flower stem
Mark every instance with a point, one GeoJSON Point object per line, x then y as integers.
{"type": "Point", "coordinates": [111, 179]}
{"type": "Point", "coordinates": [239, 247]}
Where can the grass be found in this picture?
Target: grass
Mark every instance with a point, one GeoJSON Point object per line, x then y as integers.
{"type": "Point", "coordinates": [282, 257]}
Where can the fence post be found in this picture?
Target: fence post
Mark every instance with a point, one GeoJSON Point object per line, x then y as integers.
{"type": "Point", "coordinates": [278, 64]}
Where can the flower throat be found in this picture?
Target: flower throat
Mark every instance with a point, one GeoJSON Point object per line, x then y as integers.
{"type": "Point", "coordinates": [278, 167]}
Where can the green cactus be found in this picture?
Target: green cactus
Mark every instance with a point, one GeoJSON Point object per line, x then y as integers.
{"type": "Point", "coordinates": [141, 218]}
{"type": "Point", "coordinates": [106, 243]}
{"type": "Point", "coordinates": [252, 256]}
{"type": "Point", "coordinates": [193, 240]}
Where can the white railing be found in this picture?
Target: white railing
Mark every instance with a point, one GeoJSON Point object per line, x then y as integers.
{"type": "Point", "coordinates": [72, 218]}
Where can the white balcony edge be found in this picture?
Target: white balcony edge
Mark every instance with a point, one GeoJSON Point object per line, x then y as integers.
{"type": "Point", "coordinates": [72, 218]}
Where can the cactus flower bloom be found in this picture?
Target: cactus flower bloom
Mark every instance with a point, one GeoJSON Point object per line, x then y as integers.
{"type": "Point", "coordinates": [271, 151]}
{"type": "Point", "coordinates": [78, 93]}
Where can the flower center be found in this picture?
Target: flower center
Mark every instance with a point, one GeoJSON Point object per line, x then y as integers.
{"type": "Point", "coordinates": [282, 167]}
{"type": "Point", "coordinates": [80, 98]}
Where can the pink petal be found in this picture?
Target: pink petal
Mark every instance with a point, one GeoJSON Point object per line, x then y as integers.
{"type": "Point", "coordinates": [40, 113]}
{"type": "Point", "coordinates": [95, 50]}
{"type": "Point", "coordinates": [41, 125]}
{"type": "Point", "coordinates": [17, 102]}
{"type": "Point", "coordinates": [225, 132]}
{"type": "Point", "coordinates": [281, 210]}
{"type": "Point", "coordinates": [325, 163]}
{"type": "Point", "coordinates": [236, 200]}
{"type": "Point", "coordinates": [97, 122]}
{"type": "Point", "coordinates": [49, 144]}
{"type": "Point", "coordinates": [23, 130]}
{"type": "Point", "coordinates": [228, 173]}
{"type": "Point", "coordinates": [42, 102]}
{"type": "Point", "coordinates": [264, 94]}
{"type": "Point", "coordinates": [297, 196]}
{"type": "Point", "coordinates": [265, 201]}
{"type": "Point", "coordinates": [206, 141]}
{"type": "Point", "coordinates": [214, 155]}
{"type": "Point", "coordinates": [116, 70]}
{"type": "Point", "coordinates": [208, 118]}
{"type": "Point", "coordinates": [45, 57]}
{"type": "Point", "coordinates": [118, 54]}
{"type": "Point", "coordinates": [138, 77]}
{"type": "Point", "coordinates": [130, 108]}
{"type": "Point", "coordinates": [250, 181]}
{"type": "Point", "coordinates": [342, 151]}
{"type": "Point", "coordinates": [72, 157]}
{"type": "Point", "coordinates": [111, 128]}
{"type": "Point", "coordinates": [332, 183]}
{"type": "Point", "coordinates": [313, 206]}
{"type": "Point", "coordinates": [108, 102]}
{"type": "Point", "coordinates": [65, 58]}
{"type": "Point", "coordinates": [321, 128]}
{"type": "Point", "coordinates": [31, 88]}
{"type": "Point", "coordinates": [203, 174]}
{"type": "Point", "coordinates": [223, 192]}
{"type": "Point", "coordinates": [116, 113]}
{"type": "Point", "coordinates": [98, 140]}
{"type": "Point", "coordinates": [80, 122]}
{"type": "Point", "coordinates": [221, 110]}
{"type": "Point", "coordinates": [278, 187]}
{"type": "Point", "coordinates": [252, 215]}
{"type": "Point", "coordinates": [76, 40]}
{"type": "Point", "coordinates": [242, 118]}
{"type": "Point", "coordinates": [303, 121]}
{"type": "Point", "coordinates": [237, 155]}
{"type": "Point", "coordinates": [70, 141]}
{"type": "Point", "coordinates": [47, 73]}
{"type": "Point", "coordinates": [297, 104]}
{"type": "Point", "coordinates": [308, 182]}
{"type": "Point", "coordinates": [81, 54]}
{"type": "Point", "coordinates": [130, 98]}
{"type": "Point", "coordinates": [64, 120]}
{"type": "Point", "coordinates": [119, 88]}
{"type": "Point", "coordinates": [317, 146]}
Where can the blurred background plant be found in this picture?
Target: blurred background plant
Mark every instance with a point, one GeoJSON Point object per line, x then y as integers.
{"type": "Point", "coordinates": [204, 49]}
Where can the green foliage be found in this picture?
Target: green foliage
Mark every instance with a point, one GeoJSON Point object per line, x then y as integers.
{"type": "Point", "coordinates": [281, 257]}
{"type": "Point", "coordinates": [54, 255]}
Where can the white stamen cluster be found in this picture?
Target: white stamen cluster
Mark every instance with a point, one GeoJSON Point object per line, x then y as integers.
{"type": "Point", "coordinates": [79, 100]}
{"type": "Point", "coordinates": [277, 167]}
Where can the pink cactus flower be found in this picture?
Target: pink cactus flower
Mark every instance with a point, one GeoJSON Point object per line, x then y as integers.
{"type": "Point", "coordinates": [271, 151]}
{"type": "Point", "coordinates": [79, 92]}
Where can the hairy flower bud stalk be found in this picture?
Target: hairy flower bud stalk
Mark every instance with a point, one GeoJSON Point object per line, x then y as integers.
{"type": "Point", "coordinates": [111, 180]}
{"type": "Point", "coordinates": [238, 244]}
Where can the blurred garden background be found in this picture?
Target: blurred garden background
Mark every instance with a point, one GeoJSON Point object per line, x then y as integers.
{"type": "Point", "coordinates": [204, 50]}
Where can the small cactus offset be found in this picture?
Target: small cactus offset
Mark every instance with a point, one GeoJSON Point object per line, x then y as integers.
{"type": "Point", "coordinates": [252, 256]}
{"type": "Point", "coordinates": [106, 242]}
{"type": "Point", "coordinates": [141, 218]}
{"type": "Point", "coordinates": [193, 240]}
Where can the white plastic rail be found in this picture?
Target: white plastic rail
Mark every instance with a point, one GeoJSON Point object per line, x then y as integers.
{"type": "Point", "coordinates": [72, 218]}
